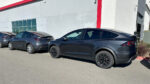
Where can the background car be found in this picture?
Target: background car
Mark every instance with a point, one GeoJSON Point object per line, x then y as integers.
{"type": "Point", "coordinates": [105, 47]}
{"type": "Point", "coordinates": [5, 38]}
{"type": "Point", "coordinates": [30, 41]}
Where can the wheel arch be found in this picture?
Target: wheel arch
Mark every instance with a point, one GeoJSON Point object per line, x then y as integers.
{"type": "Point", "coordinates": [51, 46]}
{"type": "Point", "coordinates": [108, 50]}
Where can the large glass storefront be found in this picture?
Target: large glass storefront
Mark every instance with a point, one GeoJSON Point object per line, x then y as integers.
{"type": "Point", "coordinates": [24, 25]}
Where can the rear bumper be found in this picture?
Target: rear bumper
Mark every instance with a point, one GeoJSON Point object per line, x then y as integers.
{"type": "Point", "coordinates": [125, 58]}
{"type": "Point", "coordinates": [41, 47]}
{"type": "Point", "coordinates": [5, 43]}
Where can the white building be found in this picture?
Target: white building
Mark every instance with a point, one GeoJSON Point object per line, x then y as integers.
{"type": "Point", "coordinates": [57, 17]}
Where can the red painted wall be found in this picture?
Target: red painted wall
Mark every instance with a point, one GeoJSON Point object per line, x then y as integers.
{"type": "Point", "coordinates": [15, 4]}
{"type": "Point", "coordinates": [99, 13]}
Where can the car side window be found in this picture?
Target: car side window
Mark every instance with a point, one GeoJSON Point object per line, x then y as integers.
{"type": "Point", "coordinates": [27, 35]}
{"type": "Point", "coordinates": [0, 34]}
{"type": "Point", "coordinates": [108, 35]}
{"type": "Point", "coordinates": [20, 35]}
{"type": "Point", "coordinates": [92, 34]}
{"type": "Point", "coordinates": [77, 35]}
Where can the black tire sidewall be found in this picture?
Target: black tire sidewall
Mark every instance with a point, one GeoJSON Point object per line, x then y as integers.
{"type": "Point", "coordinates": [57, 50]}
{"type": "Point", "coordinates": [110, 56]}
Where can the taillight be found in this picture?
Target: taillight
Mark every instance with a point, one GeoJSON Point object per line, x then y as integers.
{"type": "Point", "coordinates": [129, 43]}
{"type": "Point", "coordinates": [4, 37]}
{"type": "Point", "coordinates": [36, 39]}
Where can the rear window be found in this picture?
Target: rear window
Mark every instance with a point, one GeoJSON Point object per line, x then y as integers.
{"type": "Point", "coordinates": [108, 35]}
{"type": "Point", "coordinates": [41, 34]}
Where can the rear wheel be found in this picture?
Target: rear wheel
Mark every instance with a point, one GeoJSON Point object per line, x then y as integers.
{"type": "Point", "coordinates": [10, 46]}
{"type": "Point", "coordinates": [104, 59]}
{"type": "Point", "coordinates": [54, 52]}
{"type": "Point", "coordinates": [1, 45]}
{"type": "Point", "coordinates": [30, 49]}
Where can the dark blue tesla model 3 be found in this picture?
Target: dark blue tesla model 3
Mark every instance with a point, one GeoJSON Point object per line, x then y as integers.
{"type": "Point", "coordinates": [105, 47]}
{"type": "Point", "coordinates": [30, 41]}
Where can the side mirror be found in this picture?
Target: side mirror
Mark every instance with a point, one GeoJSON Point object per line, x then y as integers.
{"type": "Point", "coordinates": [65, 39]}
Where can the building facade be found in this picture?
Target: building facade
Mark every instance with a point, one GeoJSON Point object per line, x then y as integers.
{"type": "Point", "coordinates": [58, 17]}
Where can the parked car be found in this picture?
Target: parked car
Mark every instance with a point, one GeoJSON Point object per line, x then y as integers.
{"type": "Point", "coordinates": [105, 47]}
{"type": "Point", "coordinates": [5, 38]}
{"type": "Point", "coordinates": [30, 41]}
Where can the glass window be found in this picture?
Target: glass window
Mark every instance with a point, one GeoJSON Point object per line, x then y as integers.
{"type": "Point", "coordinates": [92, 34]}
{"type": "Point", "coordinates": [20, 23]}
{"type": "Point", "coordinates": [108, 35]}
{"type": "Point", "coordinates": [29, 22]}
{"type": "Point", "coordinates": [20, 35]}
{"type": "Point", "coordinates": [24, 25]}
{"type": "Point", "coordinates": [77, 35]}
{"type": "Point", "coordinates": [27, 35]}
{"type": "Point", "coordinates": [33, 21]}
{"type": "Point", "coordinates": [0, 34]}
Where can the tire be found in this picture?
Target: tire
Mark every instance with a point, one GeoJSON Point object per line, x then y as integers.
{"type": "Point", "coordinates": [54, 52]}
{"type": "Point", "coordinates": [30, 49]}
{"type": "Point", "coordinates": [104, 59]}
{"type": "Point", "coordinates": [10, 46]}
{"type": "Point", "coordinates": [1, 45]}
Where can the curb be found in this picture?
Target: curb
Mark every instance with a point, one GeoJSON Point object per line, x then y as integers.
{"type": "Point", "coordinates": [140, 58]}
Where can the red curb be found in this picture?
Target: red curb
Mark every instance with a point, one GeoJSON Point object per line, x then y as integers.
{"type": "Point", "coordinates": [140, 58]}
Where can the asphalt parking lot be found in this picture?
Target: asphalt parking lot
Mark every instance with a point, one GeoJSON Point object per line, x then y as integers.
{"type": "Point", "coordinates": [19, 67]}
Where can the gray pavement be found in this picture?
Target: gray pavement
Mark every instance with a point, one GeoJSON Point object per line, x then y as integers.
{"type": "Point", "coordinates": [19, 67]}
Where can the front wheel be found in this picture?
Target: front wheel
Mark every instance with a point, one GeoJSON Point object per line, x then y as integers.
{"type": "Point", "coordinates": [54, 52]}
{"type": "Point", "coordinates": [1, 46]}
{"type": "Point", "coordinates": [30, 49]}
{"type": "Point", "coordinates": [104, 59]}
{"type": "Point", "coordinates": [10, 46]}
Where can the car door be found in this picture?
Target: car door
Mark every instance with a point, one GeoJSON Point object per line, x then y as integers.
{"type": "Point", "coordinates": [18, 41]}
{"type": "Point", "coordinates": [71, 44]}
{"type": "Point", "coordinates": [91, 37]}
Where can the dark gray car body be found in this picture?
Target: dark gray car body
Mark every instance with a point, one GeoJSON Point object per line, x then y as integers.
{"type": "Point", "coordinates": [87, 48]}
{"type": "Point", "coordinates": [39, 40]}
{"type": "Point", "coordinates": [5, 37]}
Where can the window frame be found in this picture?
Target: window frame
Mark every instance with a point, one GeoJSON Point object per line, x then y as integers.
{"type": "Point", "coordinates": [108, 38]}
{"type": "Point", "coordinates": [100, 33]}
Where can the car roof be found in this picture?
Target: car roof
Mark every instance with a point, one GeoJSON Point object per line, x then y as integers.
{"type": "Point", "coordinates": [109, 30]}
{"type": "Point", "coordinates": [41, 34]}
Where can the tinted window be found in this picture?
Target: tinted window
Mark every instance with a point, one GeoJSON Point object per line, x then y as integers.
{"type": "Point", "coordinates": [0, 34]}
{"type": "Point", "coordinates": [77, 35]}
{"type": "Point", "coordinates": [108, 35]}
{"type": "Point", "coordinates": [20, 35]}
{"type": "Point", "coordinates": [27, 35]}
{"type": "Point", "coordinates": [92, 34]}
